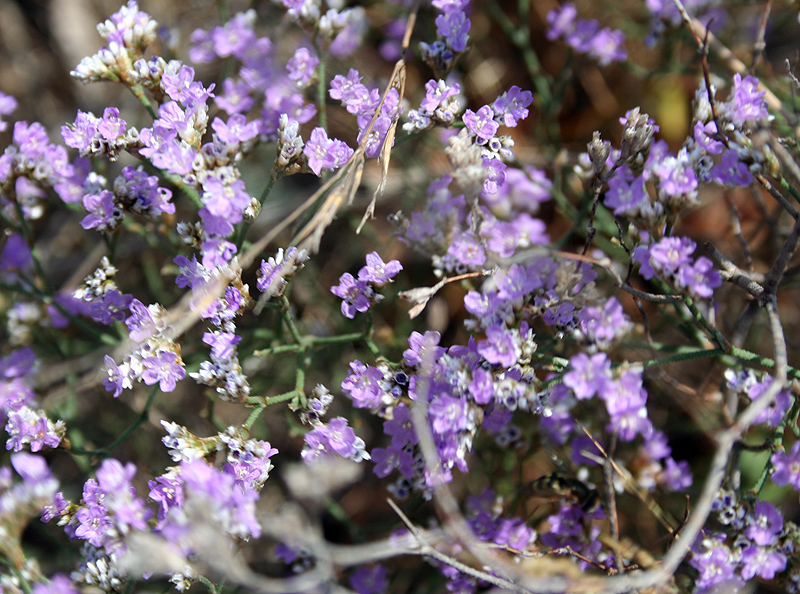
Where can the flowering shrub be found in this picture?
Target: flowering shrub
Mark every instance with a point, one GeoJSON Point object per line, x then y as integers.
{"type": "Point", "coordinates": [541, 375]}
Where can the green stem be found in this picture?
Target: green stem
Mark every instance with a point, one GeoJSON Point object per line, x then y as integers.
{"type": "Point", "coordinates": [367, 337]}
{"type": "Point", "coordinates": [106, 451]}
{"type": "Point", "coordinates": [253, 416]}
{"type": "Point", "coordinates": [276, 350]}
{"type": "Point", "coordinates": [138, 92]}
{"type": "Point", "coordinates": [287, 318]}
{"type": "Point", "coordinates": [268, 188]}
{"type": "Point", "coordinates": [23, 583]}
{"type": "Point", "coordinates": [270, 400]}
{"type": "Point", "coordinates": [684, 356]}
{"type": "Point", "coordinates": [749, 357]}
{"type": "Point", "coordinates": [310, 342]}
{"type": "Point", "coordinates": [138, 421]}
{"type": "Point", "coordinates": [777, 439]}
{"type": "Point", "coordinates": [177, 181]}
{"type": "Point", "coordinates": [698, 315]}
{"type": "Point", "coordinates": [323, 340]}
{"type": "Point", "coordinates": [322, 113]}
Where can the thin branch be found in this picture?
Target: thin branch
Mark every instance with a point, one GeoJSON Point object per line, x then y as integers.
{"type": "Point", "coordinates": [734, 274]}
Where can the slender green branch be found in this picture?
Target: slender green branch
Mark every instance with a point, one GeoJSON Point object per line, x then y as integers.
{"type": "Point", "coordinates": [270, 400]}
{"type": "Point", "coordinates": [137, 422]}
{"type": "Point", "coordinates": [289, 321]}
{"type": "Point", "coordinates": [749, 357]}
{"type": "Point", "coordinates": [322, 86]}
{"type": "Point", "coordinates": [141, 418]}
{"type": "Point", "coordinates": [683, 356]}
{"type": "Point", "coordinates": [253, 416]}
{"type": "Point", "coordinates": [776, 441]}
{"type": "Point", "coordinates": [138, 92]}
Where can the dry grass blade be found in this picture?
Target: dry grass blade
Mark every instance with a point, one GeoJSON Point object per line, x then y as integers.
{"type": "Point", "coordinates": [631, 486]}
{"type": "Point", "coordinates": [398, 82]}
{"type": "Point", "coordinates": [343, 188]}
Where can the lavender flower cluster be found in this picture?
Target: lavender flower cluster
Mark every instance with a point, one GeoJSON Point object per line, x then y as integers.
{"type": "Point", "coordinates": [539, 409]}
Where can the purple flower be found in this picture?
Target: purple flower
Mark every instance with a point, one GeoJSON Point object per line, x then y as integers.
{"type": "Point", "coordinates": [167, 493]}
{"type": "Point", "coordinates": [422, 346]}
{"type": "Point", "coordinates": [223, 205]}
{"type": "Point", "coordinates": [495, 171]}
{"type": "Point", "coordinates": [223, 500]}
{"type": "Point", "coordinates": [110, 307]}
{"type": "Point", "coordinates": [731, 171]}
{"type": "Point", "coordinates": [164, 370]}
{"type": "Point", "coordinates": [223, 344]}
{"type": "Point", "coordinates": [235, 38]}
{"type": "Point", "coordinates": [437, 92]}
{"type": "Point", "coordinates": [606, 46]}
{"type": "Point", "coordinates": [7, 105]}
{"type": "Point", "coordinates": [141, 324]}
{"type": "Point", "coordinates": [363, 385]}
{"type": "Point", "coordinates": [625, 198]}
{"type": "Point", "coordinates": [747, 102]}
{"type": "Point", "coordinates": [773, 414]}
{"type": "Point", "coordinates": [482, 305]}
{"type": "Point", "coordinates": [671, 254]}
{"type": "Point", "coordinates": [467, 249]}
{"type": "Point", "coordinates": [334, 438]}
{"type": "Point", "coordinates": [602, 326]}
{"type": "Point", "coordinates": [387, 459]}
{"type": "Point", "coordinates": [561, 21]}
{"type": "Point", "coordinates": [32, 428]}
{"type": "Point", "coordinates": [565, 526]}
{"type": "Point", "coordinates": [700, 278]}
{"type": "Point", "coordinates": [369, 579]}
{"type": "Point", "coordinates": [192, 274]}
{"type": "Point", "coordinates": [676, 177]}
{"type": "Point", "coordinates": [703, 137]}
{"type": "Point", "coordinates": [325, 153]}
{"type": "Point", "coordinates": [58, 584]}
{"type": "Point", "coordinates": [235, 97]}
{"type": "Point", "coordinates": [481, 123]}
{"type": "Point", "coordinates": [514, 533]}
{"type": "Point", "coordinates": [177, 85]}
{"type": "Point", "coordinates": [377, 271]}
{"type": "Point", "coordinates": [716, 567]}
{"type": "Point", "coordinates": [216, 250]}
{"type": "Point", "coordinates": [761, 562]}
{"type": "Point", "coordinates": [115, 379]}
{"type": "Point", "coordinates": [400, 427]}
{"type": "Point", "coordinates": [676, 476]}
{"type": "Point", "coordinates": [356, 295]}
{"type": "Point", "coordinates": [501, 237]}
{"type": "Point", "coordinates": [301, 66]}
{"type": "Point", "coordinates": [500, 347]}
{"type": "Point", "coordinates": [764, 525]}
{"type": "Point", "coordinates": [93, 524]}
{"type": "Point", "coordinates": [356, 97]}
{"type": "Point", "coordinates": [274, 273]}
{"type": "Point", "coordinates": [447, 413]}
{"type": "Point", "coordinates": [104, 214]}
{"type": "Point", "coordinates": [512, 106]}
{"type": "Point", "coordinates": [516, 283]}
{"type": "Point", "coordinates": [588, 375]}
{"type": "Point", "coordinates": [626, 401]}
{"type": "Point", "coordinates": [234, 132]}
{"type": "Point", "coordinates": [481, 388]}
{"type": "Point", "coordinates": [16, 254]}
{"type": "Point", "coordinates": [111, 126]}
{"type": "Point", "coordinates": [454, 26]}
